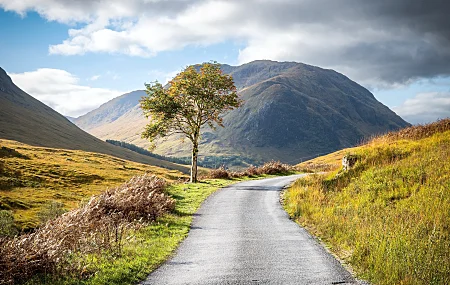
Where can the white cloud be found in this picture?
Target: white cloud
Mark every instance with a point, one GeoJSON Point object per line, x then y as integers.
{"type": "Point", "coordinates": [425, 107]}
{"type": "Point", "coordinates": [378, 43]}
{"type": "Point", "coordinates": [201, 24]}
{"type": "Point", "coordinates": [94, 77]}
{"type": "Point", "coordinates": [61, 90]}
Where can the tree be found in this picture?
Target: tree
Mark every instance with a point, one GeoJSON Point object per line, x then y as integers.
{"type": "Point", "coordinates": [193, 99]}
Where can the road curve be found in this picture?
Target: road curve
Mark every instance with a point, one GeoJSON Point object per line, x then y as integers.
{"type": "Point", "coordinates": [242, 235]}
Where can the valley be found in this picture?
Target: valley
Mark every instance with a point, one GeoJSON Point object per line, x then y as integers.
{"type": "Point", "coordinates": [51, 172]}
{"type": "Point", "coordinates": [215, 142]}
{"type": "Point", "coordinates": [291, 111]}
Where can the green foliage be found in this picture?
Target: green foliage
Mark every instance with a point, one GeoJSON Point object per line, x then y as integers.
{"type": "Point", "coordinates": [149, 153]}
{"type": "Point", "coordinates": [193, 99]}
{"type": "Point", "coordinates": [51, 211]}
{"type": "Point", "coordinates": [389, 215]}
{"type": "Point", "coordinates": [203, 161]}
{"type": "Point", "coordinates": [7, 227]}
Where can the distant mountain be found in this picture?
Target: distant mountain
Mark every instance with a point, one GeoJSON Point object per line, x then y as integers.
{"type": "Point", "coordinates": [27, 120]}
{"type": "Point", "coordinates": [110, 111]}
{"type": "Point", "coordinates": [292, 111]}
{"type": "Point", "coordinates": [72, 119]}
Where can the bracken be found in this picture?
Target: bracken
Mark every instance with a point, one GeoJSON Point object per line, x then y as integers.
{"type": "Point", "coordinates": [96, 226]}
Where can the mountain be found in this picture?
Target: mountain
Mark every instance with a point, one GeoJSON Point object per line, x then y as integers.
{"type": "Point", "coordinates": [292, 111]}
{"type": "Point", "coordinates": [110, 111]}
{"type": "Point", "coordinates": [27, 120]}
{"type": "Point", "coordinates": [72, 119]}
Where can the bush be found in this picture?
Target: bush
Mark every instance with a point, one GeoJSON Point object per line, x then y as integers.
{"type": "Point", "coordinates": [98, 225]}
{"type": "Point", "coordinates": [251, 171]}
{"type": "Point", "coordinates": [53, 210]}
{"type": "Point", "coordinates": [7, 227]}
{"type": "Point", "coordinates": [270, 168]}
{"type": "Point", "coordinates": [274, 167]}
{"type": "Point", "coordinates": [220, 173]}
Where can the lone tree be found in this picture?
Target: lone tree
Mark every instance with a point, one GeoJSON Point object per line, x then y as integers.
{"type": "Point", "coordinates": [194, 98]}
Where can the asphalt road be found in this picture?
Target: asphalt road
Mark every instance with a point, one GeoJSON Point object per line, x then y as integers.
{"type": "Point", "coordinates": [242, 235]}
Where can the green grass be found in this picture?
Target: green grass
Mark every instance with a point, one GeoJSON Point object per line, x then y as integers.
{"type": "Point", "coordinates": [33, 177]}
{"type": "Point", "coordinates": [389, 216]}
{"type": "Point", "coordinates": [145, 249]}
{"type": "Point", "coordinates": [45, 179]}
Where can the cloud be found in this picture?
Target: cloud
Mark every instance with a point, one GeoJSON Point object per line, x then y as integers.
{"type": "Point", "coordinates": [425, 107]}
{"type": "Point", "coordinates": [378, 43]}
{"type": "Point", "coordinates": [94, 77]}
{"type": "Point", "coordinates": [60, 90]}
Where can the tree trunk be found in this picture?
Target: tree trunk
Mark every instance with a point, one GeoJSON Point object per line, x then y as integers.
{"type": "Point", "coordinates": [194, 162]}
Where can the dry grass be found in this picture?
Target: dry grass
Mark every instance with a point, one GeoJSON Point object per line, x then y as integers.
{"type": "Point", "coordinates": [31, 178]}
{"type": "Point", "coordinates": [417, 132]}
{"type": "Point", "coordinates": [329, 162]}
{"type": "Point", "coordinates": [219, 173]}
{"type": "Point", "coordinates": [98, 225]}
{"type": "Point", "coordinates": [269, 168]}
{"type": "Point", "coordinates": [388, 216]}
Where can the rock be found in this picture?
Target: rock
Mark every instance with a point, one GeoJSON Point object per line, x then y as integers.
{"type": "Point", "coordinates": [349, 161]}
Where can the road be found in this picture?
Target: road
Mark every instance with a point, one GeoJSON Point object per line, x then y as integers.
{"type": "Point", "coordinates": [242, 235]}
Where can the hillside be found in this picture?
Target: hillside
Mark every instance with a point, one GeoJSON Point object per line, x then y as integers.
{"type": "Point", "coordinates": [291, 111]}
{"type": "Point", "coordinates": [109, 111]}
{"type": "Point", "coordinates": [31, 177]}
{"type": "Point", "coordinates": [388, 215]}
{"type": "Point", "coordinates": [25, 119]}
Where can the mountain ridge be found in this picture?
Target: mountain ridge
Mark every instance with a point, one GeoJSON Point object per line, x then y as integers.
{"type": "Point", "coordinates": [27, 120]}
{"type": "Point", "coordinates": [291, 110]}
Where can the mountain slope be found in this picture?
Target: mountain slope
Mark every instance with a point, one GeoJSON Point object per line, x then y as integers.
{"type": "Point", "coordinates": [27, 120]}
{"type": "Point", "coordinates": [48, 175]}
{"type": "Point", "coordinates": [291, 111]}
{"type": "Point", "coordinates": [305, 110]}
{"type": "Point", "coordinates": [110, 111]}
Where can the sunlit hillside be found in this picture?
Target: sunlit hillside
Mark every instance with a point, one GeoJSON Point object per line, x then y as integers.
{"type": "Point", "coordinates": [389, 215]}
{"type": "Point", "coordinates": [32, 178]}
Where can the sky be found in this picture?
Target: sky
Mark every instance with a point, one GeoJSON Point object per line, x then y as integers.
{"type": "Point", "coordinates": [75, 55]}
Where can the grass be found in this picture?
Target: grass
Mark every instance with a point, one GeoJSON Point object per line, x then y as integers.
{"type": "Point", "coordinates": [32, 177]}
{"type": "Point", "coordinates": [389, 215]}
{"type": "Point", "coordinates": [40, 183]}
{"type": "Point", "coordinates": [146, 248]}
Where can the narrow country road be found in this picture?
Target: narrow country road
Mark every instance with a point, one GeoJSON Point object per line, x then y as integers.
{"type": "Point", "coordinates": [242, 235]}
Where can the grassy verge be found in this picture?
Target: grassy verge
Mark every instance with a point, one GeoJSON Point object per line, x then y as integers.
{"type": "Point", "coordinates": [388, 216]}
{"type": "Point", "coordinates": [146, 248]}
{"type": "Point", "coordinates": [108, 248]}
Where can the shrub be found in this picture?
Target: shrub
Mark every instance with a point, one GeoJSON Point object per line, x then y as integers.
{"type": "Point", "coordinates": [271, 168]}
{"type": "Point", "coordinates": [274, 167]}
{"type": "Point", "coordinates": [98, 225]}
{"type": "Point", "coordinates": [9, 152]}
{"type": "Point", "coordinates": [251, 171]}
{"type": "Point", "coordinates": [7, 227]}
{"type": "Point", "coordinates": [219, 173]}
{"type": "Point", "coordinates": [53, 210]}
